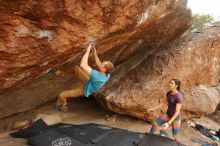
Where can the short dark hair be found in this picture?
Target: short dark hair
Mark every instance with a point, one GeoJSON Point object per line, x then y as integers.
{"type": "Point", "coordinates": [109, 67]}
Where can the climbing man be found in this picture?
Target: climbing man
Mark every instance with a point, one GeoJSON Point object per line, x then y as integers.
{"type": "Point", "coordinates": [92, 80]}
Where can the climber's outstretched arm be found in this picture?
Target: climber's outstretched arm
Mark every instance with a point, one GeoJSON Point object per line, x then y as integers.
{"type": "Point", "coordinates": [84, 61]}
{"type": "Point", "coordinates": [97, 61]}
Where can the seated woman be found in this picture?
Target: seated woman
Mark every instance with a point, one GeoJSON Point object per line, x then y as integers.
{"type": "Point", "coordinates": [172, 117]}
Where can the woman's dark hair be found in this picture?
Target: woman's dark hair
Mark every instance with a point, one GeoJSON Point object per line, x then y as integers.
{"type": "Point", "coordinates": [178, 83]}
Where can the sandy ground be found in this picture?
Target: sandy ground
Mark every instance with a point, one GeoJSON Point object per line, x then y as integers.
{"type": "Point", "coordinates": [88, 111]}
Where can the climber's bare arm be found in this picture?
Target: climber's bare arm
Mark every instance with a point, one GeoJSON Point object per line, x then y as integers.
{"type": "Point", "coordinates": [84, 61]}
{"type": "Point", "coordinates": [97, 61]}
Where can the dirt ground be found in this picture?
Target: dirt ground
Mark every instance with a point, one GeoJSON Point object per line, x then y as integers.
{"type": "Point", "coordinates": [84, 110]}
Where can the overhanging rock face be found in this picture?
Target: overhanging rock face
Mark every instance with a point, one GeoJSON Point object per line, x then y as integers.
{"type": "Point", "coordinates": [195, 60]}
{"type": "Point", "coordinates": [37, 36]}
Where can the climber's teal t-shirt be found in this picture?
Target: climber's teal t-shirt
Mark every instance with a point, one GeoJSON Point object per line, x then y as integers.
{"type": "Point", "coordinates": [96, 81]}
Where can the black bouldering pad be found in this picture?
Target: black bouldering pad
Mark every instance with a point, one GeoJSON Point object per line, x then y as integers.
{"type": "Point", "coordinates": [39, 134]}
{"type": "Point", "coordinates": [156, 140]}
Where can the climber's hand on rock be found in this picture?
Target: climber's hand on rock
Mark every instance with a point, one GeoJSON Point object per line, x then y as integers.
{"type": "Point", "coordinates": [89, 47]}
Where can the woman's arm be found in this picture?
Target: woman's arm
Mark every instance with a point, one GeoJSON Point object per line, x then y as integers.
{"type": "Point", "coordinates": [154, 108]}
{"type": "Point", "coordinates": [162, 102]}
{"type": "Point", "coordinates": [178, 107]}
